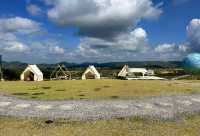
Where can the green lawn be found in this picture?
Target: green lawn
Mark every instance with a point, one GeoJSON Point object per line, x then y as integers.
{"type": "Point", "coordinates": [189, 126]}
{"type": "Point", "coordinates": [97, 89]}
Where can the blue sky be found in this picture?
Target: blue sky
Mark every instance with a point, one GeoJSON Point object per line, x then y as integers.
{"type": "Point", "coordinates": [171, 25]}
{"type": "Point", "coordinates": [49, 31]}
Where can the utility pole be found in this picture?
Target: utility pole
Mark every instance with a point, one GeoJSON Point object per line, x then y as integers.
{"type": "Point", "coordinates": [1, 71]}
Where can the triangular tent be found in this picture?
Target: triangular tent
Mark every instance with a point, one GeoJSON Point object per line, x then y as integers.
{"type": "Point", "coordinates": [124, 71]}
{"type": "Point", "coordinates": [91, 73]}
{"type": "Point", "coordinates": [60, 73]}
{"type": "Point", "coordinates": [32, 73]}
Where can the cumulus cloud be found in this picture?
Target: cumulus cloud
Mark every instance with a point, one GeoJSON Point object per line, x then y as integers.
{"type": "Point", "coordinates": [135, 40]}
{"type": "Point", "coordinates": [34, 10]}
{"type": "Point", "coordinates": [6, 36]}
{"type": "Point", "coordinates": [126, 44]}
{"type": "Point", "coordinates": [165, 48]}
{"type": "Point", "coordinates": [107, 27]}
{"type": "Point", "coordinates": [193, 33]}
{"type": "Point", "coordinates": [15, 47]}
{"type": "Point", "coordinates": [108, 30]}
{"type": "Point", "coordinates": [10, 31]}
{"type": "Point", "coordinates": [135, 46]}
{"type": "Point", "coordinates": [19, 24]}
{"type": "Point", "coordinates": [191, 44]}
{"type": "Point", "coordinates": [170, 51]}
{"type": "Point", "coordinates": [101, 18]}
{"type": "Point", "coordinates": [183, 47]}
{"type": "Point", "coordinates": [56, 50]}
{"type": "Point", "coordinates": [17, 41]}
{"type": "Point", "coordinates": [10, 43]}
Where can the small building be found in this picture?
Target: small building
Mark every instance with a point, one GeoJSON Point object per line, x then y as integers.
{"type": "Point", "coordinates": [137, 74]}
{"type": "Point", "coordinates": [134, 72]}
{"type": "Point", "coordinates": [91, 73]}
{"type": "Point", "coordinates": [32, 73]}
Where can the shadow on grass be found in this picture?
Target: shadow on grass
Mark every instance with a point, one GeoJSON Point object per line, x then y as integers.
{"type": "Point", "coordinates": [121, 118]}
{"type": "Point", "coordinates": [81, 95]}
{"type": "Point", "coordinates": [114, 97]}
{"type": "Point", "coordinates": [97, 89]}
{"type": "Point", "coordinates": [46, 87]}
{"type": "Point", "coordinates": [83, 98]}
{"type": "Point", "coordinates": [40, 93]}
{"type": "Point", "coordinates": [60, 90]}
{"type": "Point", "coordinates": [34, 97]}
{"type": "Point", "coordinates": [20, 94]}
{"type": "Point", "coordinates": [35, 88]}
{"type": "Point", "coordinates": [106, 86]}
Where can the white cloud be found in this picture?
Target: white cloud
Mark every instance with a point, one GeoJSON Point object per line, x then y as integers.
{"type": "Point", "coordinates": [17, 41]}
{"type": "Point", "coordinates": [192, 43]}
{"type": "Point", "coordinates": [136, 40]}
{"type": "Point", "coordinates": [121, 47]}
{"type": "Point", "coordinates": [16, 47]}
{"type": "Point", "coordinates": [193, 31]}
{"type": "Point", "coordinates": [183, 47]}
{"type": "Point", "coordinates": [165, 48]}
{"type": "Point", "coordinates": [128, 47]}
{"type": "Point", "coordinates": [101, 18]}
{"type": "Point", "coordinates": [10, 43]}
{"type": "Point", "coordinates": [10, 31]}
{"type": "Point", "coordinates": [34, 10]}
{"type": "Point", "coordinates": [135, 45]}
{"type": "Point", "coordinates": [56, 50]}
{"type": "Point", "coordinates": [6, 36]}
{"type": "Point", "coordinates": [19, 24]}
{"type": "Point", "coordinates": [171, 51]}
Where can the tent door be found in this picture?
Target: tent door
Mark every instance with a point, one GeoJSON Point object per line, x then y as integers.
{"type": "Point", "coordinates": [29, 76]}
{"type": "Point", "coordinates": [90, 75]}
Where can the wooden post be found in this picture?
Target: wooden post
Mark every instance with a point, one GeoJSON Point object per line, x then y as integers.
{"type": "Point", "coordinates": [1, 71]}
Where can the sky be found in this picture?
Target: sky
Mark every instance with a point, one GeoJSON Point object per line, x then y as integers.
{"type": "Point", "coordinates": [50, 31]}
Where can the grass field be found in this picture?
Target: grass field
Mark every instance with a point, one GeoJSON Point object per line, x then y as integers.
{"type": "Point", "coordinates": [189, 126]}
{"type": "Point", "coordinates": [97, 89]}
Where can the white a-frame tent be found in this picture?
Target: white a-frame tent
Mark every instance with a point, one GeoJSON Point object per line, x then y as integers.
{"type": "Point", "coordinates": [32, 73]}
{"type": "Point", "coordinates": [91, 73]}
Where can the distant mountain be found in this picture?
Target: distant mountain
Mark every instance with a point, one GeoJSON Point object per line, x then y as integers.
{"type": "Point", "coordinates": [146, 64]}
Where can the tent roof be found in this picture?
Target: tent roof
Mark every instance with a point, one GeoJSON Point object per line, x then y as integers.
{"type": "Point", "coordinates": [137, 70]}
{"type": "Point", "coordinates": [93, 69]}
{"type": "Point", "coordinates": [125, 70]}
{"type": "Point", "coordinates": [35, 69]}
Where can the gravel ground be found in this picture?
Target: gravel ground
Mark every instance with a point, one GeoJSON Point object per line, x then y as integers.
{"type": "Point", "coordinates": [168, 107]}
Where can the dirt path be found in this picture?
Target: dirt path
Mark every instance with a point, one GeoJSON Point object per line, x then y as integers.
{"type": "Point", "coordinates": [158, 107]}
